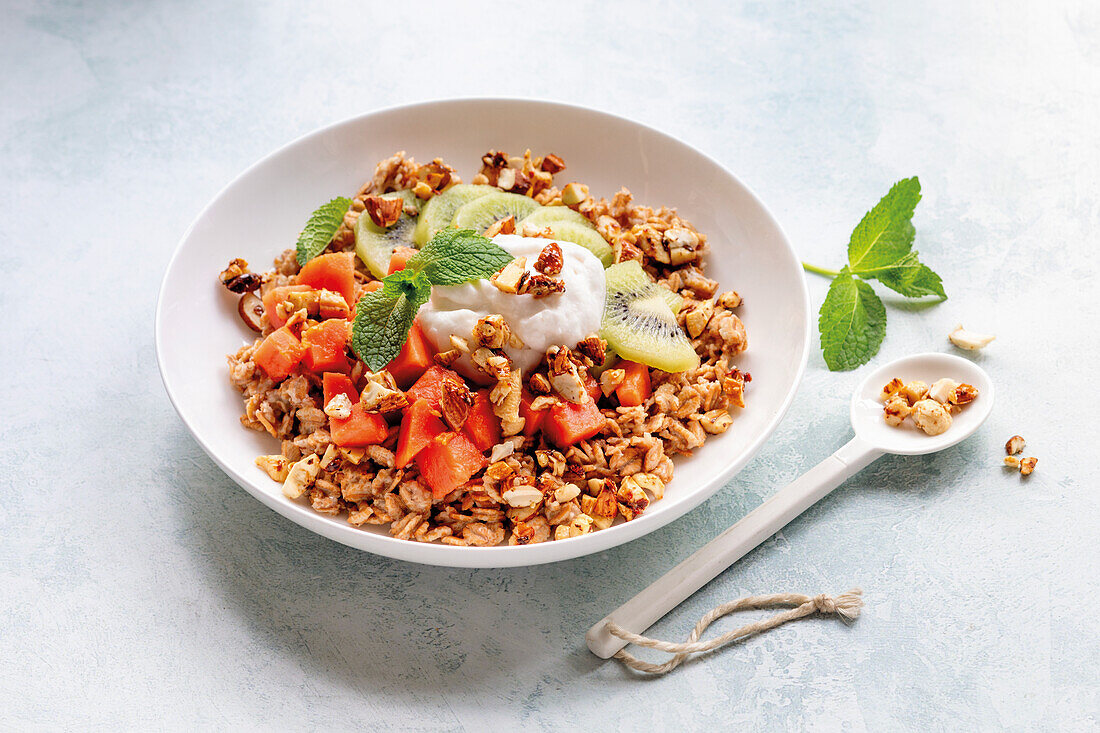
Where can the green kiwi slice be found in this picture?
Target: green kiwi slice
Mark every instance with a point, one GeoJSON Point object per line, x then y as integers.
{"type": "Point", "coordinates": [440, 210]}
{"type": "Point", "coordinates": [546, 215]}
{"type": "Point", "coordinates": [484, 211]}
{"type": "Point", "coordinates": [638, 323]}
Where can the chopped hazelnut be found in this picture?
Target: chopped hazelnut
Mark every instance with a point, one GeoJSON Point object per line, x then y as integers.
{"type": "Point", "coordinates": [552, 164]}
{"type": "Point", "coordinates": [384, 212]}
{"type": "Point", "coordinates": [914, 391]}
{"type": "Point", "coordinates": [574, 193]}
{"type": "Point", "coordinates": [931, 417]}
{"type": "Point", "coordinates": [1014, 445]}
{"type": "Point", "coordinates": [511, 276]}
{"type": "Point", "coordinates": [541, 286]}
{"type": "Point", "coordinates": [896, 410]}
{"type": "Point", "coordinates": [891, 387]}
{"type": "Point", "coordinates": [503, 226]}
{"type": "Point", "coordinates": [550, 260]}
{"type": "Point", "coordinates": [1027, 465]}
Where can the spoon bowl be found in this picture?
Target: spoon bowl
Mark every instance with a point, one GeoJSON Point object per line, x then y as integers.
{"type": "Point", "coordinates": [907, 439]}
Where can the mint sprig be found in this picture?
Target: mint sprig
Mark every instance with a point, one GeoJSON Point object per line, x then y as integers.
{"type": "Point", "coordinates": [320, 228]}
{"type": "Point", "coordinates": [383, 318]}
{"type": "Point", "coordinates": [852, 320]}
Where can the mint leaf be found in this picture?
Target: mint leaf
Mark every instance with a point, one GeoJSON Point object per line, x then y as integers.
{"type": "Point", "coordinates": [322, 224]}
{"type": "Point", "coordinates": [455, 256]}
{"type": "Point", "coordinates": [852, 323]}
{"type": "Point", "coordinates": [885, 234]}
{"type": "Point", "coordinates": [384, 317]}
{"type": "Point", "coordinates": [912, 279]}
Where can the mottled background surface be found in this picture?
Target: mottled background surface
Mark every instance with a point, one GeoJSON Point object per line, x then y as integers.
{"type": "Point", "coordinates": [142, 587]}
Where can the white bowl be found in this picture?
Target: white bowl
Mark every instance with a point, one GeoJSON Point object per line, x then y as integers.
{"type": "Point", "coordinates": [260, 214]}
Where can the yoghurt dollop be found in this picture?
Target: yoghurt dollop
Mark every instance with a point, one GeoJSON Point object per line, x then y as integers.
{"type": "Point", "coordinates": [562, 318]}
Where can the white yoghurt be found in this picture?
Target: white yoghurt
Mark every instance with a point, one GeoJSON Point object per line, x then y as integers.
{"type": "Point", "coordinates": [561, 318]}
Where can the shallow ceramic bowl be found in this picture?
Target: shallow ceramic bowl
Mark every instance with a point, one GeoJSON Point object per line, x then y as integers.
{"type": "Point", "coordinates": [260, 214]}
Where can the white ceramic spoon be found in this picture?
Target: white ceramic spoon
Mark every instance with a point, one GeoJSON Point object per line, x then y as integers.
{"type": "Point", "coordinates": [873, 438]}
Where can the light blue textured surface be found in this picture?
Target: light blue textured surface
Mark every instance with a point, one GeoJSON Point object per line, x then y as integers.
{"type": "Point", "coordinates": [141, 587]}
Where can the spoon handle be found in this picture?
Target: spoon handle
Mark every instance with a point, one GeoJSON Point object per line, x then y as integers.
{"type": "Point", "coordinates": [641, 611]}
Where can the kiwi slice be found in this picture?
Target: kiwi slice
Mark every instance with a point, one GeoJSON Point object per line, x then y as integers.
{"type": "Point", "coordinates": [374, 245]}
{"type": "Point", "coordinates": [546, 215]}
{"type": "Point", "coordinates": [440, 210]}
{"type": "Point", "coordinates": [675, 300]}
{"type": "Point", "coordinates": [590, 239]}
{"type": "Point", "coordinates": [639, 324]}
{"type": "Point", "coordinates": [484, 211]}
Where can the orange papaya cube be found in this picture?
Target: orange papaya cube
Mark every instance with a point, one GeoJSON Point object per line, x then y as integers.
{"type": "Point", "coordinates": [327, 345]}
{"type": "Point", "coordinates": [419, 425]}
{"type": "Point", "coordinates": [333, 384]}
{"type": "Point", "coordinates": [447, 462]}
{"type": "Point", "coordinates": [430, 385]}
{"type": "Point", "coordinates": [532, 419]}
{"type": "Point", "coordinates": [567, 424]}
{"type": "Point", "coordinates": [415, 358]}
{"type": "Point", "coordinates": [482, 426]}
{"type": "Point", "coordinates": [274, 296]}
{"type": "Point", "coordinates": [400, 258]}
{"type": "Point", "coordinates": [360, 429]}
{"type": "Point", "coordinates": [592, 387]}
{"type": "Point", "coordinates": [334, 272]}
{"type": "Point", "coordinates": [635, 388]}
{"type": "Point", "coordinates": [279, 354]}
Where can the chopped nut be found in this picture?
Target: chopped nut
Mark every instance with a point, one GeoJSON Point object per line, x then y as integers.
{"type": "Point", "coordinates": [1014, 445]}
{"type": "Point", "coordinates": [301, 475]}
{"type": "Point", "coordinates": [522, 533]}
{"type": "Point", "coordinates": [963, 394]}
{"type": "Point", "coordinates": [447, 358]}
{"type": "Point", "coordinates": [501, 451]}
{"type": "Point", "coordinates": [574, 193]}
{"type": "Point", "coordinates": [716, 421]}
{"type": "Point", "coordinates": [565, 493]}
{"type": "Point", "coordinates": [274, 466]}
{"type": "Point", "coordinates": [502, 226]}
{"type": "Point", "coordinates": [498, 470]}
{"type": "Point", "coordinates": [423, 191]}
{"type": "Point", "coordinates": [339, 407]}
{"type": "Point", "coordinates": [578, 526]}
{"type": "Point", "coordinates": [633, 496]}
{"type": "Point", "coordinates": [969, 340]}
{"type": "Point", "coordinates": [331, 304]}
{"type": "Point", "coordinates": [593, 348]}
{"type": "Point", "coordinates": [539, 384]}
{"type": "Point", "coordinates": [1012, 462]}
{"type": "Point", "coordinates": [1027, 465]}
{"type": "Point", "coordinates": [355, 455]}
{"type": "Point", "coordinates": [458, 343]}
{"type": "Point", "coordinates": [931, 417]}
{"type": "Point", "coordinates": [651, 483]}
{"type": "Point", "coordinates": [541, 286]}
{"type": "Point", "coordinates": [533, 230]}
{"type": "Point", "coordinates": [564, 376]}
{"type": "Point", "coordinates": [506, 179]}
{"type": "Point", "coordinates": [237, 278]}
{"type": "Point", "coordinates": [729, 299]}
{"type": "Point", "coordinates": [491, 331]}
{"type": "Point", "coordinates": [697, 318]}
{"type": "Point", "coordinates": [378, 397]}
{"type": "Point", "coordinates": [543, 402]}
{"type": "Point", "coordinates": [307, 300]}
{"type": "Point", "coordinates": [550, 260]}
{"type": "Point", "coordinates": [511, 276]}
{"type": "Point", "coordinates": [896, 410]}
{"type": "Point", "coordinates": [251, 310]}
{"type": "Point", "coordinates": [610, 380]}
{"type": "Point", "coordinates": [943, 390]}
{"type": "Point", "coordinates": [455, 402]}
{"type": "Point", "coordinates": [505, 397]}
{"type": "Point", "coordinates": [893, 386]}
{"type": "Point", "coordinates": [522, 496]}
{"type": "Point", "coordinates": [495, 365]}
{"type": "Point", "coordinates": [552, 164]}
{"type": "Point", "coordinates": [682, 245]}
{"type": "Point", "coordinates": [914, 391]}
{"type": "Point", "coordinates": [330, 455]}
{"type": "Point", "coordinates": [384, 212]}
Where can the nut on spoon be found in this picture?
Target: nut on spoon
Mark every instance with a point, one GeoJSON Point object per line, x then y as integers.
{"type": "Point", "coordinates": [873, 439]}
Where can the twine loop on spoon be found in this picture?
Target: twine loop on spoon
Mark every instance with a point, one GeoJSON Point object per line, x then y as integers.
{"type": "Point", "coordinates": [845, 606]}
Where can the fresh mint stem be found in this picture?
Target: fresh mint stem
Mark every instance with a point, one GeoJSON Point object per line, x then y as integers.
{"type": "Point", "coordinates": [819, 270]}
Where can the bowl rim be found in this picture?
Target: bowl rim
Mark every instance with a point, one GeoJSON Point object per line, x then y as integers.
{"type": "Point", "coordinates": [502, 555]}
